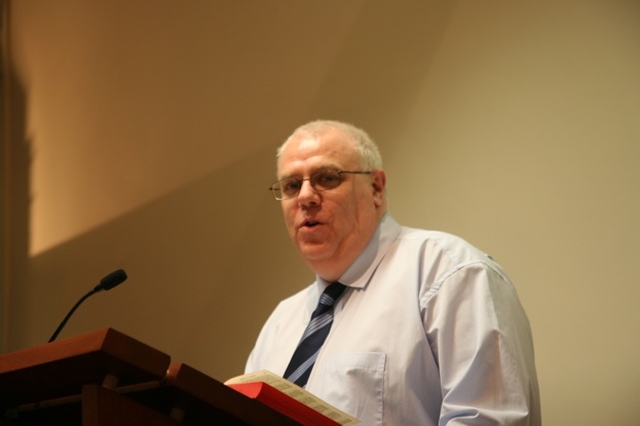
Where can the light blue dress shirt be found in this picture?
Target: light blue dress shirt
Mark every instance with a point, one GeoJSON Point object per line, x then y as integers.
{"type": "Point", "coordinates": [429, 332]}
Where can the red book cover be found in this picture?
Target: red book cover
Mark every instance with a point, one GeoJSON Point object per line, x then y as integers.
{"type": "Point", "coordinates": [283, 403]}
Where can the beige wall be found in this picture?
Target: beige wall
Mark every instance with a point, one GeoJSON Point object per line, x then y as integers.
{"type": "Point", "coordinates": [141, 135]}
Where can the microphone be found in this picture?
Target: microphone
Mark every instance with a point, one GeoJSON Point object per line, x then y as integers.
{"type": "Point", "coordinates": [107, 283]}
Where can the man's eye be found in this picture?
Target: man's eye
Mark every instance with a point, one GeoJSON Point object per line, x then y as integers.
{"type": "Point", "coordinates": [328, 179]}
{"type": "Point", "coordinates": [290, 185]}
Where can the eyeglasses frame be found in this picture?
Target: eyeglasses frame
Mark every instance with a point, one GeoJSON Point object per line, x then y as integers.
{"type": "Point", "coordinates": [358, 172]}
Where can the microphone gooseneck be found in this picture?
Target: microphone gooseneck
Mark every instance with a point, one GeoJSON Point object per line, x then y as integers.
{"type": "Point", "coordinates": [107, 283]}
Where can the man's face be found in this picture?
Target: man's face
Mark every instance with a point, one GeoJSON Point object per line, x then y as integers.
{"type": "Point", "coordinates": [330, 228]}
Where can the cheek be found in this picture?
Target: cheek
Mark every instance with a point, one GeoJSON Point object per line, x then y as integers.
{"type": "Point", "coordinates": [288, 214]}
{"type": "Point", "coordinates": [347, 216]}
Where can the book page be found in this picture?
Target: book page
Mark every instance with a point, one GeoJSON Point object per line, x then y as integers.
{"type": "Point", "coordinates": [297, 393]}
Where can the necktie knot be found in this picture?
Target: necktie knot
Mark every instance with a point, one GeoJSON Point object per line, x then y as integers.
{"type": "Point", "coordinates": [331, 294]}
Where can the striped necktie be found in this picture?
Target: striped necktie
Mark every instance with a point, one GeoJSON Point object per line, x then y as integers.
{"type": "Point", "coordinates": [314, 336]}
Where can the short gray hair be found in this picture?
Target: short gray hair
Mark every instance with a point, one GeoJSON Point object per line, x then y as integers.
{"type": "Point", "coordinates": [367, 148]}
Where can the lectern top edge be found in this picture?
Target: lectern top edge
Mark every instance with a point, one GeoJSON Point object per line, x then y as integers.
{"type": "Point", "coordinates": [62, 367]}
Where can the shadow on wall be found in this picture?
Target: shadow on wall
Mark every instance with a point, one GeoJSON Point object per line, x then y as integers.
{"type": "Point", "coordinates": [206, 266]}
{"type": "Point", "coordinates": [382, 64]}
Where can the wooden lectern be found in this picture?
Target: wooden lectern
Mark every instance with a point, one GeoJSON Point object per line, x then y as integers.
{"type": "Point", "coordinates": [106, 378]}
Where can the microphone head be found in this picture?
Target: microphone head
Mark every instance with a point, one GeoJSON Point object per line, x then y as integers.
{"type": "Point", "coordinates": [113, 279]}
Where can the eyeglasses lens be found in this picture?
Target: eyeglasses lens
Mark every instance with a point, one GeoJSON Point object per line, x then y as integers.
{"type": "Point", "coordinates": [320, 180]}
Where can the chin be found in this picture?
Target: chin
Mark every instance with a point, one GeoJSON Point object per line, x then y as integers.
{"type": "Point", "coordinates": [314, 252]}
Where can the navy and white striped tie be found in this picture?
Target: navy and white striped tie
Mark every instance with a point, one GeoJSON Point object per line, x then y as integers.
{"type": "Point", "coordinates": [314, 336]}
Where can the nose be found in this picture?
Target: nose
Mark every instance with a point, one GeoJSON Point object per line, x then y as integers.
{"type": "Point", "coordinates": [307, 195]}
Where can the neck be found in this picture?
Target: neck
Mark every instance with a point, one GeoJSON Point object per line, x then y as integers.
{"type": "Point", "coordinates": [332, 269]}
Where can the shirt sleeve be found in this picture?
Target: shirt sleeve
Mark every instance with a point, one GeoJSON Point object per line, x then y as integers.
{"type": "Point", "coordinates": [482, 342]}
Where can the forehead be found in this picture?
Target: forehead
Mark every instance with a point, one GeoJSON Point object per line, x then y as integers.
{"type": "Point", "coordinates": [306, 152]}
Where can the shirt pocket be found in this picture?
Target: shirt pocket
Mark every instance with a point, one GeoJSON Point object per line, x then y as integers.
{"type": "Point", "coordinates": [354, 383]}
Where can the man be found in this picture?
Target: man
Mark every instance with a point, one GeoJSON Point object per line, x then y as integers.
{"type": "Point", "coordinates": [427, 331]}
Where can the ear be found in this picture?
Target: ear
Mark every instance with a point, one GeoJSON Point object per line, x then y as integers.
{"type": "Point", "coordinates": [379, 183]}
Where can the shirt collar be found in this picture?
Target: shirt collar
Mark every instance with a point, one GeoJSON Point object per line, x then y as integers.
{"type": "Point", "coordinates": [361, 270]}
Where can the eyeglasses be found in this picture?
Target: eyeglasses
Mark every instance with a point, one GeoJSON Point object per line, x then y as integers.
{"type": "Point", "coordinates": [320, 180]}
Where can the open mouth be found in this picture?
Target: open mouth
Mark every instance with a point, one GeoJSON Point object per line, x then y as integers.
{"type": "Point", "coordinates": [310, 223]}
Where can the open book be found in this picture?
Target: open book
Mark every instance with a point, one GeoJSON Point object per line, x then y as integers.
{"type": "Point", "coordinates": [289, 399]}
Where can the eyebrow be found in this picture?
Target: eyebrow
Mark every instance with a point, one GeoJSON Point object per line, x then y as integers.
{"type": "Point", "coordinates": [295, 175]}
